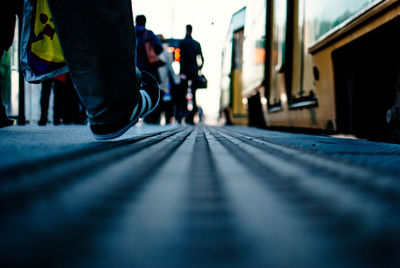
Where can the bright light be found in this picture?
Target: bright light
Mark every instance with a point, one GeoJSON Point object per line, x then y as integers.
{"type": "Point", "coordinates": [177, 55]}
{"type": "Point", "coordinates": [283, 98]}
{"type": "Point", "coordinates": [176, 67]}
{"type": "Point", "coordinates": [264, 101]}
{"type": "Point", "coordinates": [244, 101]}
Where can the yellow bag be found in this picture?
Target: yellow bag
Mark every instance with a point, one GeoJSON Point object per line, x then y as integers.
{"type": "Point", "coordinates": [41, 54]}
{"type": "Point", "coordinates": [48, 46]}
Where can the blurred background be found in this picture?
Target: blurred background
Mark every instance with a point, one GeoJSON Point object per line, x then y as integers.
{"type": "Point", "coordinates": [210, 20]}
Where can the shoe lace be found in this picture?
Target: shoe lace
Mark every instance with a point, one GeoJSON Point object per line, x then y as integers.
{"type": "Point", "coordinates": [146, 104]}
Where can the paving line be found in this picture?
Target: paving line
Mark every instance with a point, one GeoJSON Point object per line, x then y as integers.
{"type": "Point", "coordinates": [13, 172]}
{"type": "Point", "coordinates": [383, 185]}
{"type": "Point", "coordinates": [313, 173]}
{"type": "Point", "coordinates": [283, 176]}
{"type": "Point", "coordinates": [153, 222]}
{"type": "Point", "coordinates": [344, 214]}
{"type": "Point", "coordinates": [210, 231]}
{"type": "Point", "coordinates": [51, 178]}
{"type": "Point", "coordinates": [84, 209]}
{"type": "Point", "coordinates": [274, 231]}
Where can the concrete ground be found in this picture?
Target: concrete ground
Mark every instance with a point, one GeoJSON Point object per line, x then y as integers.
{"type": "Point", "coordinates": [183, 196]}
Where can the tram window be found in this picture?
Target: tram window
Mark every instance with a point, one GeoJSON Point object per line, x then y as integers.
{"type": "Point", "coordinates": [279, 21]}
{"type": "Point", "coordinates": [302, 76]}
{"type": "Point", "coordinates": [226, 98]}
{"type": "Point", "coordinates": [254, 45]}
{"type": "Point", "coordinates": [237, 106]}
{"type": "Point", "coordinates": [238, 49]}
{"type": "Point", "coordinates": [322, 16]}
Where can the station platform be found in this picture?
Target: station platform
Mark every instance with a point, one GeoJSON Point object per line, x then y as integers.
{"type": "Point", "coordinates": [196, 196]}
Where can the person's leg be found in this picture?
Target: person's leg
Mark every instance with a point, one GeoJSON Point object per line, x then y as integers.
{"type": "Point", "coordinates": [59, 99]}
{"type": "Point", "coordinates": [168, 110]}
{"type": "Point", "coordinates": [98, 41]}
{"type": "Point", "coordinates": [193, 112]}
{"type": "Point", "coordinates": [181, 106]}
{"type": "Point", "coordinates": [4, 120]}
{"type": "Point", "coordinates": [3, 114]}
{"type": "Point", "coordinates": [44, 101]}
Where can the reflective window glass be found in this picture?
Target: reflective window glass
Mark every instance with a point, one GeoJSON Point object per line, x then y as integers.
{"type": "Point", "coordinates": [324, 15]}
{"type": "Point", "coordinates": [278, 46]}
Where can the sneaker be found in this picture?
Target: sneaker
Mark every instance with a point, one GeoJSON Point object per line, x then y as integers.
{"type": "Point", "coordinates": [148, 101]}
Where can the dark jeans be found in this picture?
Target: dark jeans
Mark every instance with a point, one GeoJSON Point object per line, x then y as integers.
{"type": "Point", "coordinates": [74, 112]}
{"type": "Point", "coordinates": [99, 45]}
{"type": "Point", "coordinates": [168, 109]}
{"type": "Point", "coordinates": [190, 114]}
{"type": "Point", "coordinates": [179, 99]}
{"type": "Point", "coordinates": [58, 88]}
{"type": "Point", "coordinates": [3, 114]}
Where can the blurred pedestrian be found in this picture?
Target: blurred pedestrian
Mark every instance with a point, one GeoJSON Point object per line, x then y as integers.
{"type": "Point", "coordinates": [192, 61]}
{"type": "Point", "coordinates": [8, 14]}
{"type": "Point", "coordinates": [4, 120]}
{"type": "Point", "coordinates": [57, 87]}
{"type": "Point", "coordinates": [147, 36]}
{"type": "Point", "coordinates": [100, 51]}
{"type": "Point", "coordinates": [67, 108]}
{"type": "Point", "coordinates": [168, 82]}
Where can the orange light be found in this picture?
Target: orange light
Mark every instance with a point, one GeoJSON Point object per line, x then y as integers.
{"type": "Point", "coordinates": [259, 55]}
{"type": "Point", "coordinates": [177, 55]}
{"type": "Point", "coordinates": [171, 49]}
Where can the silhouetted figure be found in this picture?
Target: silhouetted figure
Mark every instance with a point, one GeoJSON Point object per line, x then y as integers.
{"type": "Point", "coordinates": [144, 35]}
{"type": "Point", "coordinates": [168, 83]}
{"type": "Point", "coordinates": [192, 61]}
{"type": "Point", "coordinates": [67, 108]}
{"type": "Point", "coordinates": [58, 88]}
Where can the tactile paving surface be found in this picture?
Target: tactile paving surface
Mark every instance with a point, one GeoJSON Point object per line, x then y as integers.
{"type": "Point", "coordinates": [203, 197]}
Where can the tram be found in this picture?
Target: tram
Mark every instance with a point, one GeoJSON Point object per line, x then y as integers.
{"type": "Point", "coordinates": [330, 65]}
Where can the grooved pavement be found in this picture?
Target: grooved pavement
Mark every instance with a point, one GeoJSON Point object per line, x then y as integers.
{"type": "Point", "coordinates": [201, 196]}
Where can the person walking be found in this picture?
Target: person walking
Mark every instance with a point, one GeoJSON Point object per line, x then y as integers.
{"type": "Point", "coordinates": [168, 82]}
{"type": "Point", "coordinates": [143, 36]}
{"type": "Point", "coordinates": [191, 63]}
{"type": "Point", "coordinates": [100, 51]}
{"type": "Point", "coordinates": [57, 87]}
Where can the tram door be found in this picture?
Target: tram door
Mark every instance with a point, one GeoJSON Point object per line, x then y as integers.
{"type": "Point", "coordinates": [239, 112]}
